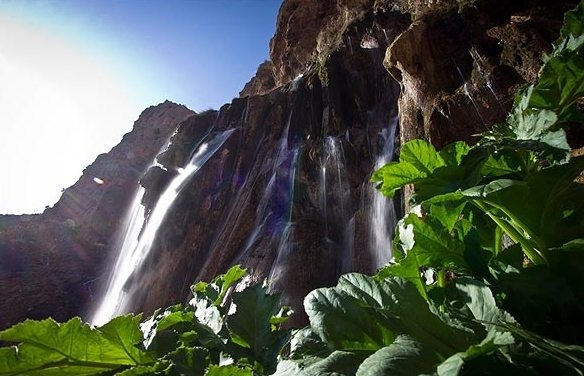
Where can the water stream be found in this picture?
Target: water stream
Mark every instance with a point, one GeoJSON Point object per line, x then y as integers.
{"type": "Point", "coordinates": [272, 210]}
{"type": "Point", "coordinates": [139, 237]}
{"type": "Point", "coordinates": [335, 199]}
{"type": "Point", "coordinates": [382, 213]}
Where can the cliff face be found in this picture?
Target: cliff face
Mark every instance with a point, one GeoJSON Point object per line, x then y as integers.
{"type": "Point", "coordinates": [287, 194]}
{"type": "Point", "coordinates": [51, 262]}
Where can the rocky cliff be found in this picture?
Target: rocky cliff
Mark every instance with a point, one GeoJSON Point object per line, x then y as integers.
{"type": "Point", "coordinates": [287, 194]}
{"type": "Point", "coordinates": [51, 262]}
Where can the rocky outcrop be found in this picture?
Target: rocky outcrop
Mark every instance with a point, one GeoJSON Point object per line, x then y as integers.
{"type": "Point", "coordinates": [460, 62]}
{"type": "Point", "coordinates": [266, 200]}
{"type": "Point", "coordinates": [259, 200]}
{"type": "Point", "coordinates": [262, 82]}
{"type": "Point", "coordinates": [51, 262]}
{"type": "Point", "coordinates": [288, 194]}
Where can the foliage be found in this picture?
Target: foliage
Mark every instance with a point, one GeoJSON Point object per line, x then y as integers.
{"type": "Point", "coordinates": [506, 217]}
{"type": "Point", "coordinates": [212, 335]}
{"type": "Point", "coordinates": [485, 278]}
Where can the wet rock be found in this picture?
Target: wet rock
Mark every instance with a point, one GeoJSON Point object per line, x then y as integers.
{"type": "Point", "coordinates": [345, 72]}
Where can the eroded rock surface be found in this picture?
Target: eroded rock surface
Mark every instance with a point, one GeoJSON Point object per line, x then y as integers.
{"type": "Point", "coordinates": [52, 262]}
{"type": "Point", "coordinates": [266, 200]}
{"type": "Point", "coordinates": [288, 194]}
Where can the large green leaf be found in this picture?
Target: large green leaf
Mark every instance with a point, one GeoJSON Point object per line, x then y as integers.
{"type": "Point", "coordinates": [47, 347]}
{"type": "Point", "coordinates": [479, 298]}
{"type": "Point", "coordinates": [422, 155]}
{"type": "Point", "coordinates": [548, 205]}
{"type": "Point", "coordinates": [434, 245]}
{"type": "Point", "coordinates": [344, 324]}
{"type": "Point", "coordinates": [405, 356]}
{"type": "Point", "coordinates": [251, 325]}
{"type": "Point", "coordinates": [336, 364]}
{"type": "Point", "coordinates": [395, 175]}
{"type": "Point", "coordinates": [362, 314]}
{"type": "Point", "coordinates": [573, 25]}
{"type": "Point", "coordinates": [433, 174]}
{"type": "Point", "coordinates": [125, 332]}
{"type": "Point", "coordinates": [493, 342]}
{"type": "Point", "coordinates": [454, 153]}
{"type": "Point", "coordinates": [228, 370]}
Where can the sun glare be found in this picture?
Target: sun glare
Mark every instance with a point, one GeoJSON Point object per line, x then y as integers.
{"type": "Point", "coordinates": [59, 109]}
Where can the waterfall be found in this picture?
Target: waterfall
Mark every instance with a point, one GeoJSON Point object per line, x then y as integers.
{"type": "Point", "coordinates": [382, 213]}
{"type": "Point", "coordinates": [138, 240]}
{"type": "Point", "coordinates": [271, 212]}
{"type": "Point", "coordinates": [335, 196]}
{"type": "Point", "coordinates": [285, 221]}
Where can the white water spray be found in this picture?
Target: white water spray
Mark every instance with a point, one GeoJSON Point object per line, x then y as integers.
{"type": "Point", "coordinates": [285, 244]}
{"type": "Point", "coordinates": [335, 200]}
{"type": "Point", "coordinates": [382, 211]}
{"type": "Point", "coordinates": [135, 247]}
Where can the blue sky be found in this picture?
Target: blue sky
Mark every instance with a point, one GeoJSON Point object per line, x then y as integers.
{"type": "Point", "coordinates": [77, 73]}
{"type": "Point", "coordinates": [198, 52]}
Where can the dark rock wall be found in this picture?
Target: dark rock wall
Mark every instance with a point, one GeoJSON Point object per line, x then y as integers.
{"type": "Point", "coordinates": [258, 202]}
{"type": "Point", "coordinates": [52, 263]}
{"type": "Point", "coordinates": [458, 64]}
{"type": "Point", "coordinates": [341, 72]}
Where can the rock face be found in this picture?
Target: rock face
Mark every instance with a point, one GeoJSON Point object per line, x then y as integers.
{"type": "Point", "coordinates": [287, 194]}
{"type": "Point", "coordinates": [460, 62]}
{"type": "Point", "coordinates": [52, 262]}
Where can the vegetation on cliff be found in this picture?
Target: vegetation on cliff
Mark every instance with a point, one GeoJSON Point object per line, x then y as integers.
{"type": "Point", "coordinates": [485, 277]}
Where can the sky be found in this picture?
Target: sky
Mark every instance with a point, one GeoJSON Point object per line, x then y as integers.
{"type": "Point", "coordinates": [76, 74]}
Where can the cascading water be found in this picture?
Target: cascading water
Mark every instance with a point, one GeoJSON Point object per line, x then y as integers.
{"type": "Point", "coordinates": [138, 240]}
{"type": "Point", "coordinates": [382, 218]}
{"type": "Point", "coordinates": [285, 246]}
{"type": "Point", "coordinates": [271, 217]}
{"type": "Point", "coordinates": [335, 198]}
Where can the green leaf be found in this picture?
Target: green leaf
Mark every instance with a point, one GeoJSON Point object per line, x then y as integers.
{"type": "Point", "coordinates": [501, 165]}
{"type": "Point", "coordinates": [453, 153]}
{"type": "Point", "coordinates": [575, 245]}
{"type": "Point", "coordinates": [337, 363]}
{"type": "Point", "coordinates": [434, 246]}
{"type": "Point", "coordinates": [480, 301]}
{"type": "Point", "coordinates": [157, 369]}
{"type": "Point", "coordinates": [573, 25]}
{"type": "Point", "coordinates": [448, 213]}
{"type": "Point", "coordinates": [532, 125]}
{"type": "Point", "coordinates": [405, 356]}
{"type": "Point", "coordinates": [46, 347]}
{"type": "Point", "coordinates": [125, 332]}
{"type": "Point", "coordinates": [494, 340]}
{"type": "Point", "coordinates": [233, 275]}
{"type": "Point", "coordinates": [189, 361]}
{"type": "Point", "coordinates": [251, 327]}
{"type": "Point", "coordinates": [155, 329]}
{"type": "Point", "coordinates": [288, 367]}
{"type": "Point", "coordinates": [229, 370]}
{"type": "Point", "coordinates": [343, 324]}
{"type": "Point", "coordinates": [362, 314]}
{"type": "Point", "coordinates": [422, 155]}
{"type": "Point", "coordinates": [305, 342]}
{"type": "Point", "coordinates": [492, 187]}
{"type": "Point", "coordinates": [395, 175]}
{"type": "Point", "coordinates": [216, 290]}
